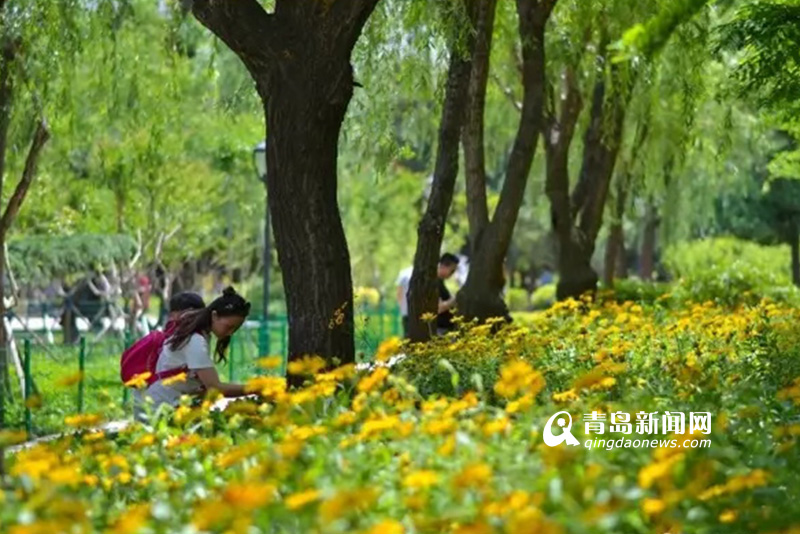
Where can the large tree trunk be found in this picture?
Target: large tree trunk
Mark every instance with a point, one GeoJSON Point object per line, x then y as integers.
{"type": "Point", "coordinates": [600, 149]}
{"type": "Point", "coordinates": [615, 247]}
{"type": "Point", "coordinates": [558, 134]}
{"type": "Point", "coordinates": [422, 293]}
{"type": "Point", "coordinates": [312, 250]}
{"type": "Point", "coordinates": [481, 295]}
{"type": "Point", "coordinates": [648, 250]}
{"type": "Point", "coordinates": [299, 57]}
{"type": "Point", "coordinates": [472, 136]}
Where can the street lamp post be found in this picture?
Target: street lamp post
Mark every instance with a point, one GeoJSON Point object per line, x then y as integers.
{"type": "Point", "coordinates": [260, 159]}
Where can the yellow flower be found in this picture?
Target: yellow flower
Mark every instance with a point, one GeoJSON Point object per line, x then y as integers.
{"type": "Point", "coordinates": [270, 362]}
{"type": "Point", "coordinates": [479, 527]}
{"type": "Point", "coordinates": [307, 365]}
{"type": "Point", "coordinates": [345, 419]}
{"type": "Point", "coordinates": [653, 506]}
{"type": "Point", "coordinates": [657, 470]}
{"type": "Point", "coordinates": [522, 403]}
{"type": "Point", "coordinates": [208, 515]}
{"type": "Point", "coordinates": [144, 441]}
{"type": "Point", "coordinates": [565, 396]}
{"type": "Point", "coordinates": [427, 317]}
{"type": "Point", "coordinates": [531, 519]}
{"type": "Point", "coordinates": [440, 426]}
{"type": "Point", "coordinates": [373, 381]}
{"type": "Point", "coordinates": [175, 379]}
{"type": "Point", "coordinates": [269, 387]}
{"type": "Point", "coordinates": [296, 501]}
{"type": "Point", "coordinates": [474, 476]}
{"type": "Point", "coordinates": [387, 527]}
{"type": "Point", "coordinates": [496, 427]}
{"type": "Point", "coordinates": [388, 348]}
{"type": "Point", "coordinates": [754, 479]}
{"type": "Point", "coordinates": [346, 502]}
{"type": "Point", "coordinates": [139, 381]}
{"type": "Point", "coordinates": [519, 377]}
{"type": "Point", "coordinates": [420, 479]}
{"type": "Point", "coordinates": [249, 496]}
{"type": "Point", "coordinates": [728, 516]}
{"type": "Point", "coordinates": [132, 520]}
{"type": "Point", "coordinates": [82, 420]}
{"type": "Point", "coordinates": [447, 448]}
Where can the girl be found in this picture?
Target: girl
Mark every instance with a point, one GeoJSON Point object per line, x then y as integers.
{"type": "Point", "coordinates": [188, 348]}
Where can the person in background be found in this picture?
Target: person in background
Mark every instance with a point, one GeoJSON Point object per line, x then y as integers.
{"type": "Point", "coordinates": [448, 264]}
{"type": "Point", "coordinates": [403, 281]}
{"type": "Point", "coordinates": [183, 302]}
{"type": "Point", "coordinates": [188, 347]}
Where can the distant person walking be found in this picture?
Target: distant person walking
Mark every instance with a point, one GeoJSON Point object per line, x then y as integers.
{"type": "Point", "coordinates": [403, 282]}
{"type": "Point", "coordinates": [448, 264]}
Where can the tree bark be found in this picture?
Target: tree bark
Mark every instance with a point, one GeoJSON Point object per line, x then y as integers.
{"type": "Point", "coordinates": [481, 295]}
{"type": "Point", "coordinates": [422, 293]}
{"type": "Point", "coordinates": [648, 251]}
{"type": "Point", "coordinates": [472, 136]}
{"type": "Point", "coordinates": [299, 58]}
{"type": "Point", "coordinates": [601, 146]}
{"type": "Point", "coordinates": [558, 135]}
{"type": "Point", "coordinates": [615, 246]}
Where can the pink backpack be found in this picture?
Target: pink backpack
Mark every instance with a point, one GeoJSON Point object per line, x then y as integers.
{"type": "Point", "coordinates": [142, 357]}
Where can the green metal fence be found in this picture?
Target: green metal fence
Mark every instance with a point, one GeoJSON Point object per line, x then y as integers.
{"type": "Point", "coordinates": [65, 380]}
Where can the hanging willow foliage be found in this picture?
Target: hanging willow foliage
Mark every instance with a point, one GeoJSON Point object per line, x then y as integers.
{"type": "Point", "coordinates": [41, 259]}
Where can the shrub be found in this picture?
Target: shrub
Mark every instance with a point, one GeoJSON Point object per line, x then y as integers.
{"type": "Point", "coordinates": [730, 271]}
{"type": "Point", "coordinates": [543, 297]}
{"type": "Point", "coordinates": [517, 299]}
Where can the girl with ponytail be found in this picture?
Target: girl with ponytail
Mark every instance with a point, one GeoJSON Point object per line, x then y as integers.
{"type": "Point", "coordinates": [187, 348]}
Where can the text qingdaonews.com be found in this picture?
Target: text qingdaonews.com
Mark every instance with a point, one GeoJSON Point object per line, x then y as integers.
{"type": "Point", "coordinates": [623, 443]}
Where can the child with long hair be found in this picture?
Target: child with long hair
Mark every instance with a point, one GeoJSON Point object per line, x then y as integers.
{"type": "Point", "coordinates": [187, 347]}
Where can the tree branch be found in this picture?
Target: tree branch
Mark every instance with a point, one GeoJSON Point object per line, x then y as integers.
{"type": "Point", "coordinates": [40, 137]}
{"type": "Point", "coordinates": [506, 90]}
{"type": "Point", "coordinates": [243, 25]}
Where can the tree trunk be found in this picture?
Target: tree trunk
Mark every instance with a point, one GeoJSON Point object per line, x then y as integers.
{"type": "Point", "coordinates": [560, 130]}
{"type": "Point", "coordinates": [600, 149]}
{"type": "Point", "coordinates": [299, 57]}
{"type": "Point", "coordinates": [621, 270]}
{"type": "Point", "coordinates": [302, 148]}
{"type": "Point", "coordinates": [472, 136]}
{"type": "Point", "coordinates": [422, 293]}
{"type": "Point", "coordinates": [794, 242]}
{"type": "Point", "coordinates": [481, 295]}
{"type": "Point", "coordinates": [615, 247]}
{"type": "Point", "coordinates": [648, 251]}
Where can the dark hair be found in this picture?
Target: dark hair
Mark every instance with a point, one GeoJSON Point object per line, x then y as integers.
{"type": "Point", "coordinates": [186, 301]}
{"type": "Point", "coordinates": [449, 259]}
{"type": "Point", "coordinates": [230, 304]}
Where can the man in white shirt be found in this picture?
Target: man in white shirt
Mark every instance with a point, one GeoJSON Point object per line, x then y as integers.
{"type": "Point", "coordinates": [403, 281]}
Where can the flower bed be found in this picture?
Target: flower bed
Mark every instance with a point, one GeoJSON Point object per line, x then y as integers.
{"type": "Point", "coordinates": [450, 439]}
